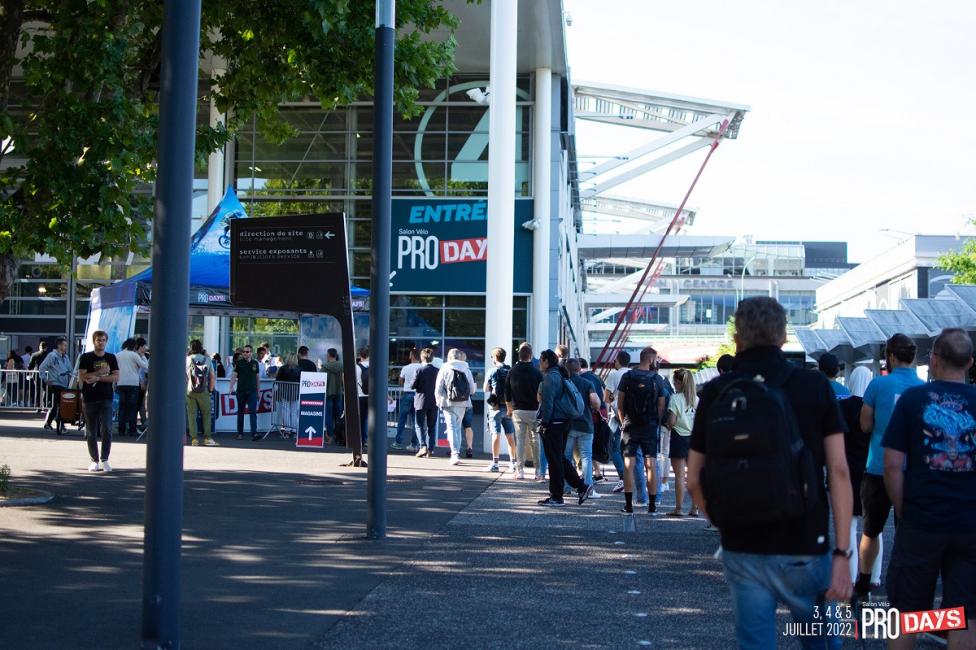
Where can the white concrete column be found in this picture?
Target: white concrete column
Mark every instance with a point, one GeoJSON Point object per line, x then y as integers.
{"type": "Point", "coordinates": [541, 192]}
{"type": "Point", "coordinates": [216, 174]}
{"type": "Point", "coordinates": [501, 182]}
{"type": "Point", "coordinates": [501, 177]}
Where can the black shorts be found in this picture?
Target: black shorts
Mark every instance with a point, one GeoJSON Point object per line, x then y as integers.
{"type": "Point", "coordinates": [917, 560]}
{"type": "Point", "coordinates": [645, 440]}
{"type": "Point", "coordinates": [875, 504]}
{"type": "Point", "coordinates": [679, 446]}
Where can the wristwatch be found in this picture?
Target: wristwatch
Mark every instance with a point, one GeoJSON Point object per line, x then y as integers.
{"type": "Point", "coordinates": [846, 554]}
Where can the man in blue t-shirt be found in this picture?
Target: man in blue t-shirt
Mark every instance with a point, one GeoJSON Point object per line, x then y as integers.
{"type": "Point", "coordinates": [879, 402]}
{"type": "Point", "coordinates": [829, 365]}
{"type": "Point", "coordinates": [933, 428]}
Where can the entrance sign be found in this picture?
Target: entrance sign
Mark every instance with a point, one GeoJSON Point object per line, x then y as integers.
{"type": "Point", "coordinates": [311, 410]}
{"type": "Point", "coordinates": [441, 245]}
{"type": "Point", "coordinates": [299, 263]}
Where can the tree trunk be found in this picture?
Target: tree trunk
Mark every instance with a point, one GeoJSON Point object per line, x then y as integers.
{"type": "Point", "coordinates": [11, 18]}
{"type": "Point", "coordinates": [8, 274]}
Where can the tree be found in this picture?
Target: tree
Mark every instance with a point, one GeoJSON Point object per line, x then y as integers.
{"type": "Point", "coordinates": [79, 133]}
{"type": "Point", "coordinates": [725, 347]}
{"type": "Point", "coordinates": [962, 263]}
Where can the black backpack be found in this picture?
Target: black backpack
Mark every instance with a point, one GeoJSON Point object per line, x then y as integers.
{"type": "Point", "coordinates": [602, 436]}
{"type": "Point", "coordinates": [757, 468]}
{"type": "Point", "coordinates": [363, 378]}
{"type": "Point", "coordinates": [458, 390]}
{"type": "Point", "coordinates": [496, 398]}
{"type": "Point", "coordinates": [642, 393]}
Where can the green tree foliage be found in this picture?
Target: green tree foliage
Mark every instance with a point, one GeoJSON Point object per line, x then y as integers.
{"type": "Point", "coordinates": [961, 263]}
{"type": "Point", "coordinates": [726, 347]}
{"type": "Point", "coordinates": [79, 132]}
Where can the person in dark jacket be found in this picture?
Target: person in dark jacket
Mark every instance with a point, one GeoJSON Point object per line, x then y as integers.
{"type": "Point", "coordinates": [425, 404]}
{"type": "Point", "coordinates": [554, 430]}
{"type": "Point", "coordinates": [521, 395]}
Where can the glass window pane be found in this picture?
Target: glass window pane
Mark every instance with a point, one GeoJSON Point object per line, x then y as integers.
{"type": "Point", "coordinates": [465, 301]}
{"type": "Point", "coordinates": [414, 323]}
{"type": "Point", "coordinates": [464, 322]}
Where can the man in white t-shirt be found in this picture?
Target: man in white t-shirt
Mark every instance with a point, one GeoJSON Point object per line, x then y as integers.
{"type": "Point", "coordinates": [407, 374]}
{"type": "Point", "coordinates": [362, 388]}
{"type": "Point", "coordinates": [621, 365]}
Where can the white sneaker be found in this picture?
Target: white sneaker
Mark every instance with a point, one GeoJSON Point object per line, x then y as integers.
{"type": "Point", "coordinates": [619, 487]}
{"type": "Point", "coordinates": [519, 474]}
{"type": "Point", "coordinates": [106, 467]}
{"type": "Point", "coordinates": [94, 467]}
{"type": "Point", "coordinates": [455, 460]}
{"type": "Point", "coordinates": [593, 493]}
{"type": "Point", "coordinates": [512, 466]}
{"type": "Point", "coordinates": [642, 504]}
{"type": "Point", "coordinates": [492, 468]}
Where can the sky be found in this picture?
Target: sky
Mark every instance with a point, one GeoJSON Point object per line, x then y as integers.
{"type": "Point", "coordinates": [862, 112]}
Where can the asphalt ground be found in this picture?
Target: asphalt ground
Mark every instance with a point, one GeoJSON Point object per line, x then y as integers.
{"type": "Point", "coordinates": [275, 557]}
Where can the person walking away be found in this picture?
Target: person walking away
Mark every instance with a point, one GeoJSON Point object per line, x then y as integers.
{"type": "Point", "coordinates": [879, 403]}
{"type": "Point", "coordinates": [930, 474]}
{"type": "Point", "coordinates": [499, 419]}
{"type": "Point", "coordinates": [218, 366]}
{"type": "Point", "coordinates": [199, 385]}
{"type": "Point", "coordinates": [664, 433]}
{"type": "Point", "coordinates": [454, 387]}
{"type": "Point", "coordinates": [245, 379]}
{"type": "Point", "coordinates": [97, 371]}
{"type": "Point", "coordinates": [264, 361]}
{"type": "Point", "coordinates": [856, 444]}
{"type": "Point", "coordinates": [580, 437]}
{"type": "Point", "coordinates": [621, 366]}
{"type": "Point", "coordinates": [425, 404]}
{"type": "Point", "coordinates": [406, 411]}
{"type": "Point", "coordinates": [725, 364]}
{"type": "Point", "coordinates": [130, 363]}
{"type": "Point", "coordinates": [143, 349]}
{"type": "Point", "coordinates": [766, 492]}
{"type": "Point", "coordinates": [681, 416]}
{"type": "Point", "coordinates": [522, 400]}
{"type": "Point", "coordinates": [599, 387]}
{"type": "Point", "coordinates": [641, 401]}
{"type": "Point", "coordinates": [362, 388]}
{"type": "Point", "coordinates": [55, 371]}
{"type": "Point", "coordinates": [830, 366]}
{"type": "Point", "coordinates": [37, 385]}
{"type": "Point", "coordinates": [333, 389]}
{"type": "Point", "coordinates": [467, 423]}
{"type": "Point", "coordinates": [560, 403]}
{"type": "Point", "coordinates": [307, 365]}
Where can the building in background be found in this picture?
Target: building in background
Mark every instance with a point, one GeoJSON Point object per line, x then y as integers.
{"type": "Point", "coordinates": [907, 270]}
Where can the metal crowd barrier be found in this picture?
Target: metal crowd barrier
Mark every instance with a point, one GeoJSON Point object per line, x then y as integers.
{"type": "Point", "coordinates": [284, 409]}
{"type": "Point", "coordinates": [22, 390]}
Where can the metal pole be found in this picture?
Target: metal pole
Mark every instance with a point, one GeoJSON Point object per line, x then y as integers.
{"type": "Point", "coordinates": [542, 212]}
{"type": "Point", "coordinates": [171, 261]}
{"type": "Point", "coordinates": [379, 330]}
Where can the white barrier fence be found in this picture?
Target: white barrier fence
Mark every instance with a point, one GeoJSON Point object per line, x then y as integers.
{"type": "Point", "coordinates": [22, 390]}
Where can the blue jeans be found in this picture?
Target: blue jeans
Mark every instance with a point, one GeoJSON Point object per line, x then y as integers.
{"type": "Point", "coordinates": [583, 441]}
{"type": "Point", "coordinates": [364, 418]}
{"type": "Point", "coordinates": [426, 422]}
{"type": "Point", "coordinates": [640, 478]}
{"type": "Point", "coordinates": [251, 401]}
{"type": "Point", "coordinates": [453, 416]}
{"type": "Point", "coordinates": [406, 413]}
{"type": "Point", "coordinates": [128, 409]}
{"type": "Point", "coordinates": [616, 455]}
{"type": "Point", "coordinates": [757, 582]}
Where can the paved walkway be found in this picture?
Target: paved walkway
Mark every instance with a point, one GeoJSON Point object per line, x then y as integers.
{"type": "Point", "coordinates": [274, 557]}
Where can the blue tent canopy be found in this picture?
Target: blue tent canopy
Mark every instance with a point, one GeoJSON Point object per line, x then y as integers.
{"type": "Point", "coordinates": [209, 271]}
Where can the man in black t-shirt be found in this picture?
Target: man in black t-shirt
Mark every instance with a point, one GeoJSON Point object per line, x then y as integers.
{"type": "Point", "coordinates": [930, 475]}
{"type": "Point", "coordinates": [785, 561]}
{"type": "Point", "coordinates": [641, 391]}
{"type": "Point", "coordinates": [97, 372]}
{"type": "Point", "coordinates": [246, 378]}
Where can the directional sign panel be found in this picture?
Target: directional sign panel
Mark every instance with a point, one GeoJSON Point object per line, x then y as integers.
{"type": "Point", "coordinates": [311, 410]}
{"type": "Point", "coordinates": [295, 263]}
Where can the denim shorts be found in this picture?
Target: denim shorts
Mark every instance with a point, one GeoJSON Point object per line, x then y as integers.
{"type": "Point", "coordinates": [646, 441]}
{"type": "Point", "coordinates": [499, 422]}
{"type": "Point", "coordinates": [467, 419]}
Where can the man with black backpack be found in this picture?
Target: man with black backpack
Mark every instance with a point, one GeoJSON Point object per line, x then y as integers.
{"type": "Point", "coordinates": [761, 439]}
{"type": "Point", "coordinates": [362, 389]}
{"type": "Point", "coordinates": [454, 388]}
{"type": "Point", "coordinates": [199, 386]}
{"type": "Point", "coordinates": [499, 420]}
{"type": "Point", "coordinates": [641, 402]}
